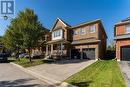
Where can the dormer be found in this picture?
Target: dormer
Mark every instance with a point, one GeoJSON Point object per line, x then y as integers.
{"type": "Point", "coordinates": [59, 30]}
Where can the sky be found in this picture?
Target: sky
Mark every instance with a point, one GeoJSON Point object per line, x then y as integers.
{"type": "Point", "coordinates": [74, 12]}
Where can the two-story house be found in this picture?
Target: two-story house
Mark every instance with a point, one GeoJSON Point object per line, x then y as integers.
{"type": "Point", "coordinates": [122, 40]}
{"type": "Point", "coordinates": [83, 41]}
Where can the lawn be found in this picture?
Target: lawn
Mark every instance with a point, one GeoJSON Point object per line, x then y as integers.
{"type": "Point", "coordinates": [103, 73]}
{"type": "Point", "coordinates": [25, 62]}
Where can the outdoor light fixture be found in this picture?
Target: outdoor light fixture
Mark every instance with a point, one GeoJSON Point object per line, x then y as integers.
{"type": "Point", "coordinates": [5, 17]}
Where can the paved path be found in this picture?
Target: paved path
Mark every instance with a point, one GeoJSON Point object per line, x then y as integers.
{"type": "Point", "coordinates": [60, 70]}
{"type": "Point", "coordinates": [125, 68]}
{"type": "Point", "coordinates": [11, 76]}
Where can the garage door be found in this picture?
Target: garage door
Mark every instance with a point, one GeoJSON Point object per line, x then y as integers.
{"type": "Point", "coordinates": [75, 54]}
{"type": "Point", "coordinates": [125, 53]}
{"type": "Point", "coordinates": [89, 53]}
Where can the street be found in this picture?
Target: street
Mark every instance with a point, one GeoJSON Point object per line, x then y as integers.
{"type": "Point", "coordinates": [11, 76]}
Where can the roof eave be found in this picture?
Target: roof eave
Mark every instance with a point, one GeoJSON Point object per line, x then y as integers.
{"type": "Point", "coordinates": [87, 23]}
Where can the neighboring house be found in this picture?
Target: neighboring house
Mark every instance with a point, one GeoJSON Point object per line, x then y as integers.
{"type": "Point", "coordinates": [40, 48]}
{"type": "Point", "coordinates": [122, 39]}
{"type": "Point", "coordinates": [83, 41]}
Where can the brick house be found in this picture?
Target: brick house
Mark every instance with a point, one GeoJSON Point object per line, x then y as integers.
{"type": "Point", "coordinates": [122, 40]}
{"type": "Point", "coordinates": [83, 41]}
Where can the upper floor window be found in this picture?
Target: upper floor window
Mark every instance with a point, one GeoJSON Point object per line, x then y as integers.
{"type": "Point", "coordinates": [92, 29]}
{"type": "Point", "coordinates": [56, 33]}
{"type": "Point", "coordinates": [76, 32]}
{"type": "Point", "coordinates": [128, 28]}
{"type": "Point", "coordinates": [82, 31]}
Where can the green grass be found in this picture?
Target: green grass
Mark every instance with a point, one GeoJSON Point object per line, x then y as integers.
{"type": "Point", "coordinates": [25, 62]}
{"type": "Point", "coordinates": [103, 73]}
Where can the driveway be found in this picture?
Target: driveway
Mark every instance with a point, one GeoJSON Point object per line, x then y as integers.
{"type": "Point", "coordinates": [60, 70]}
{"type": "Point", "coordinates": [11, 76]}
{"type": "Point", "coordinates": [125, 68]}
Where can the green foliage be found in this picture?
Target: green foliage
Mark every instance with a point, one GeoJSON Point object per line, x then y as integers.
{"type": "Point", "coordinates": [24, 31]}
{"type": "Point", "coordinates": [104, 73]}
{"type": "Point", "coordinates": [26, 63]}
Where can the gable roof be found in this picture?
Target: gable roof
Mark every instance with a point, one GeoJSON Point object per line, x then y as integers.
{"type": "Point", "coordinates": [80, 25]}
{"type": "Point", "coordinates": [86, 23]}
{"type": "Point", "coordinates": [58, 19]}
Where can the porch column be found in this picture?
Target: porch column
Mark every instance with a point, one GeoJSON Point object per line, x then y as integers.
{"type": "Point", "coordinates": [51, 49]}
{"type": "Point", "coordinates": [61, 48]}
{"type": "Point", "coordinates": [81, 50]}
{"type": "Point", "coordinates": [46, 50]}
{"type": "Point", "coordinates": [70, 53]}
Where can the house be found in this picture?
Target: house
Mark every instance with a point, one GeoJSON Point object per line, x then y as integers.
{"type": "Point", "coordinates": [122, 40]}
{"type": "Point", "coordinates": [83, 41]}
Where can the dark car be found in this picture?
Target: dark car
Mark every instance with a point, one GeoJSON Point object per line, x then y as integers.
{"type": "Point", "coordinates": [3, 57]}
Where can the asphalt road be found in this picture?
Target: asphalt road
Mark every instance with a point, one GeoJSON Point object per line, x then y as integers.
{"type": "Point", "coordinates": [11, 76]}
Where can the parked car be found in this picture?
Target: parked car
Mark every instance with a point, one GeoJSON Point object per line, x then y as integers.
{"type": "Point", "coordinates": [3, 57]}
{"type": "Point", "coordinates": [23, 55]}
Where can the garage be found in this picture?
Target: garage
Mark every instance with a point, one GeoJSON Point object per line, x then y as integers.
{"type": "Point", "coordinates": [89, 53]}
{"type": "Point", "coordinates": [75, 54]}
{"type": "Point", "coordinates": [125, 53]}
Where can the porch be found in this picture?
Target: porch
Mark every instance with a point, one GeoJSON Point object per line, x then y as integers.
{"type": "Point", "coordinates": [57, 49]}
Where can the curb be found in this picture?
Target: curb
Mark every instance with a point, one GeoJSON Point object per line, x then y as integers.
{"type": "Point", "coordinates": [65, 84]}
{"type": "Point", "coordinates": [45, 79]}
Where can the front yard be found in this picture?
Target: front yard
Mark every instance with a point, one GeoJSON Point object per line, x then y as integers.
{"type": "Point", "coordinates": [25, 62]}
{"type": "Point", "coordinates": [103, 73]}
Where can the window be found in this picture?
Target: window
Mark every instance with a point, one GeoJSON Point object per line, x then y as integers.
{"type": "Point", "coordinates": [128, 28]}
{"type": "Point", "coordinates": [82, 31]}
{"type": "Point", "coordinates": [56, 33]}
{"type": "Point", "coordinates": [92, 29]}
{"type": "Point", "coordinates": [76, 32]}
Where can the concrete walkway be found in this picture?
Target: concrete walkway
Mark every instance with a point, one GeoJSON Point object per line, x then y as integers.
{"type": "Point", "coordinates": [60, 70]}
{"type": "Point", "coordinates": [125, 68]}
{"type": "Point", "coordinates": [12, 76]}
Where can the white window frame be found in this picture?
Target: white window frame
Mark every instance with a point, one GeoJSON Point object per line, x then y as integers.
{"type": "Point", "coordinates": [93, 28]}
{"type": "Point", "coordinates": [127, 27]}
{"type": "Point", "coordinates": [83, 29]}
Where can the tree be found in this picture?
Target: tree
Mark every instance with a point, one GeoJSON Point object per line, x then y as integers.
{"type": "Point", "coordinates": [12, 38]}
{"type": "Point", "coordinates": [24, 32]}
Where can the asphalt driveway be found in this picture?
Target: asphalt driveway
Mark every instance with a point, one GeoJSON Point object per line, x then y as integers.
{"type": "Point", "coordinates": [61, 70]}
{"type": "Point", "coordinates": [125, 68]}
{"type": "Point", "coordinates": [11, 76]}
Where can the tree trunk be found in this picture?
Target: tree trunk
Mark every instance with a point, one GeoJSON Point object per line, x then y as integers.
{"type": "Point", "coordinates": [29, 50]}
{"type": "Point", "coordinates": [18, 54]}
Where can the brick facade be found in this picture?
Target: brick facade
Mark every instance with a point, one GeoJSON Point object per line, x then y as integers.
{"type": "Point", "coordinates": [119, 44]}
{"type": "Point", "coordinates": [68, 35]}
{"type": "Point", "coordinates": [120, 31]}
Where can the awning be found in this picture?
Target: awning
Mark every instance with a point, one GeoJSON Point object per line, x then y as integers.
{"type": "Point", "coordinates": [58, 41]}
{"type": "Point", "coordinates": [84, 42]}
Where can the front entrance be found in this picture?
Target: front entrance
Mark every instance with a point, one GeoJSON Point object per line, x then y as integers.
{"type": "Point", "coordinates": [89, 53]}
{"type": "Point", "coordinates": [125, 53]}
{"type": "Point", "coordinates": [75, 54]}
